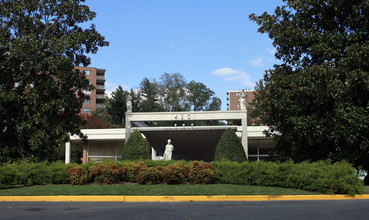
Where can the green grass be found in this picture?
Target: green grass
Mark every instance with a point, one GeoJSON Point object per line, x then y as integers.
{"type": "Point", "coordinates": [132, 189]}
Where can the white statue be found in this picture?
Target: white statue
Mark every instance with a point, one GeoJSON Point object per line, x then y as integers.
{"type": "Point", "coordinates": [169, 148]}
{"type": "Point", "coordinates": [129, 103]}
{"type": "Point", "coordinates": [243, 100]}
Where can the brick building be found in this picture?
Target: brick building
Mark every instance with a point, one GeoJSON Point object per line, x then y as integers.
{"type": "Point", "coordinates": [234, 99]}
{"type": "Point", "coordinates": [97, 96]}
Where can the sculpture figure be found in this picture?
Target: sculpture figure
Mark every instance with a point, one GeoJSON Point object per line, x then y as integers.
{"type": "Point", "coordinates": [169, 148]}
{"type": "Point", "coordinates": [129, 103]}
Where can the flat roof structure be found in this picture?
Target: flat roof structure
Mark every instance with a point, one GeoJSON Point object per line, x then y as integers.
{"type": "Point", "coordinates": [190, 142]}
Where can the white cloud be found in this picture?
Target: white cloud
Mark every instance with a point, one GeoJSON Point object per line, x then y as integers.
{"type": "Point", "coordinates": [225, 71]}
{"type": "Point", "coordinates": [257, 62]}
{"type": "Point", "coordinates": [229, 74]}
{"type": "Point", "coordinates": [171, 46]}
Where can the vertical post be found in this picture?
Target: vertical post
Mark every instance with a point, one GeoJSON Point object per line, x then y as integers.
{"type": "Point", "coordinates": [257, 149]}
{"type": "Point", "coordinates": [67, 152]}
{"type": "Point", "coordinates": [153, 153]}
{"type": "Point", "coordinates": [128, 126]}
{"type": "Point", "coordinates": [116, 153]}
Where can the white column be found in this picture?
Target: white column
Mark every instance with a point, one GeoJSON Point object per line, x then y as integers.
{"type": "Point", "coordinates": [128, 126]}
{"type": "Point", "coordinates": [67, 152]}
{"type": "Point", "coordinates": [153, 153]}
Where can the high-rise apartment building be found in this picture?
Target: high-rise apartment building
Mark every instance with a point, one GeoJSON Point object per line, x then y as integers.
{"type": "Point", "coordinates": [234, 99]}
{"type": "Point", "coordinates": [97, 96]}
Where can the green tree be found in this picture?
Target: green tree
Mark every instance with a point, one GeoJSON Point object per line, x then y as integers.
{"type": "Point", "coordinates": [173, 93]}
{"type": "Point", "coordinates": [199, 96]}
{"type": "Point", "coordinates": [117, 106]}
{"type": "Point", "coordinates": [136, 148]}
{"type": "Point", "coordinates": [40, 44]}
{"type": "Point", "coordinates": [230, 147]}
{"type": "Point", "coordinates": [150, 93]}
{"type": "Point", "coordinates": [318, 97]}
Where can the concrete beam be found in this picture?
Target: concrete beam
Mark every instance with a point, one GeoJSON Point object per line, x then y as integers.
{"type": "Point", "coordinates": [185, 116]}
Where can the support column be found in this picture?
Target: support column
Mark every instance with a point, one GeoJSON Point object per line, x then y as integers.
{"type": "Point", "coordinates": [128, 126]}
{"type": "Point", "coordinates": [67, 152]}
{"type": "Point", "coordinates": [244, 135]}
{"type": "Point", "coordinates": [84, 153]}
{"type": "Point", "coordinates": [153, 153]}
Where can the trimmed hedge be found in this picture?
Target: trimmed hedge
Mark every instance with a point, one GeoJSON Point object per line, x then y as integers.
{"type": "Point", "coordinates": [26, 173]}
{"type": "Point", "coordinates": [136, 148]}
{"type": "Point", "coordinates": [321, 176]}
{"type": "Point", "coordinates": [229, 148]}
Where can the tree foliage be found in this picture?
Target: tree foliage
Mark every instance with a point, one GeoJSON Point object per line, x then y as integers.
{"type": "Point", "coordinates": [150, 96]}
{"type": "Point", "coordinates": [136, 148]}
{"type": "Point", "coordinates": [40, 44]}
{"type": "Point", "coordinates": [318, 97]}
{"type": "Point", "coordinates": [117, 106]}
{"type": "Point", "coordinates": [229, 147]}
{"type": "Point", "coordinates": [199, 96]}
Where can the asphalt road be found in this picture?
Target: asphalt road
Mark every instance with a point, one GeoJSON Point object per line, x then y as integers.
{"type": "Point", "coordinates": [326, 209]}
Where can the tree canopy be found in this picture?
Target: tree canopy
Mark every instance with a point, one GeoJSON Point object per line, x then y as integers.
{"type": "Point", "coordinates": [318, 97]}
{"type": "Point", "coordinates": [40, 91]}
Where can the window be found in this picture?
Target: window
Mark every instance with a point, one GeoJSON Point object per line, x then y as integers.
{"type": "Point", "coordinates": [87, 72]}
{"type": "Point", "coordinates": [87, 110]}
{"type": "Point", "coordinates": [87, 91]}
{"type": "Point", "coordinates": [87, 101]}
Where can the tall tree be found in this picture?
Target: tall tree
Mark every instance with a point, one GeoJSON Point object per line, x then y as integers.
{"type": "Point", "coordinates": [117, 106]}
{"type": "Point", "coordinates": [40, 43]}
{"type": "Point", "coordinates": [173, 93]}
{"type": "Point", "coordinates": [318, 98]}
{"type": "Point", "coordinates": [150, 93]}
{"type": "Point", "coordinates": [199, 96]}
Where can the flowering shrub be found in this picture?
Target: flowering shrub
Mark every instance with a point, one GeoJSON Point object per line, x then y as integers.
{"type": "Point", "coordinates": [149, 175]}
{"type": "Point", "coordinates": [175, 173]}
{"type": "Point", "coordinates": [202, 173]}
{"type": "Point", "coordinates": [108, 173]}
{"type": "Point", "coordinates": [130, 170]}
{"type": "Point", "coordinates": [77, 176]}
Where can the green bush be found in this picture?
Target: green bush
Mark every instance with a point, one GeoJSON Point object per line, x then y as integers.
{"type": "Point", "coordinates": [136, 148]}
{"type": "Point", "coordinates": [201, 173]}
{"type": "Point", "coordinates": [229, 148]}
{"type": "Point", "coordinates": [149, 175]}
{"type": "Point", "coordinates": [175, 173]}
{"type": "Point", "coordinates": [108, 173]}
{"type": "Point", "coordinates": [78, 176]}
{"type": "Point", "coordinates": [321, 176]}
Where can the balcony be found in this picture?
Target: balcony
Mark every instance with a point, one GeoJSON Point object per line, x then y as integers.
{"type": "Point", "coordinates": [100, 79]}
{"type": "Point", "coordinates": [100, 106]}
{"type": "Point", "coordinates": [100, 87]}
{"type": "Point", "coordinates": [98, 96]}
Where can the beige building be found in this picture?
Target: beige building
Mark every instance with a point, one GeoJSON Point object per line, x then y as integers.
{"type": "Point", "coordinates": [97, 96]}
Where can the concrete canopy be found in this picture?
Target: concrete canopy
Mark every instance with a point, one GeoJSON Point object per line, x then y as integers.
{"type": "Point", "coordinates": [191, 142]}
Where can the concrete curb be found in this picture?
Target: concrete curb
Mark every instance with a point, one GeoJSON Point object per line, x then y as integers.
{"type": "Point", "coordinates": [176, 198]}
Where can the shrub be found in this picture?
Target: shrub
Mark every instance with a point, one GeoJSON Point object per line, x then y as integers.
{"type": "Point", "coordinates": [149, 175]}
{"type": "Point", "coordinates": [320, 176]}
{"type": "Point", "coordinates": [77, 176]}
{"type": "Point", "coordinates": [108, 173]}
{"type": "Point", "coordinates": [175, 173]}
{"type": "Point", "coordinates": [130, 170]}
{"type": "Point", "coordinates": [136, 147]}
{"type": "Point", "coordinates": [201, 173]}
{"type": "Point", "coordinates": [229, 147]}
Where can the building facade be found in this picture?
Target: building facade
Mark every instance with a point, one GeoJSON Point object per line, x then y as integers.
{"type": "Point", "coordinates": [234, 99]}
{"type": "Point", "coordinates": [96, 77]}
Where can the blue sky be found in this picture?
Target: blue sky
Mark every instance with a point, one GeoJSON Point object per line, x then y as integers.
{"type": "Point", "coordinates": [209, 41]}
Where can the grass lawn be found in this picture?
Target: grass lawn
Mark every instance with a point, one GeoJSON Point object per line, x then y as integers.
{"type": "Point", "coordinates": [133, 189]}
